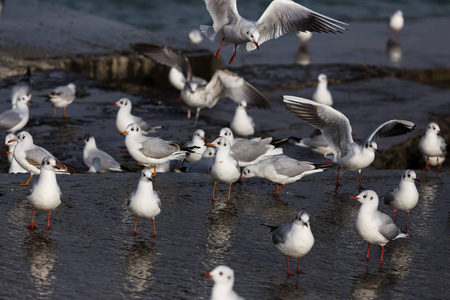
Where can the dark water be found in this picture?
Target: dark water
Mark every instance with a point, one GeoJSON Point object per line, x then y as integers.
{"type": "Point", "coordinates": [191, 13]}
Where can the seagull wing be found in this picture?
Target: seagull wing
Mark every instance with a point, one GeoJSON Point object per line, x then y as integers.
{"type": "Point", "coordinates": [283, 16]}
{"type": "Point", "coordinates": [166, 56]}
{"type": "Point", "coordinates": [9, 119]}
{"type": "Point", "coordinates": [222, 12]}
{"type": "Point", "coordinates": [387, 227]}
{"type": "Point", "coordinates": [279, 234]}
{"type": "Point", "coordinates": [388, 129]}
{"type": "Point", "coordinates": [333, 124]}
{"type": "Point", "coordinates": [158, 148]}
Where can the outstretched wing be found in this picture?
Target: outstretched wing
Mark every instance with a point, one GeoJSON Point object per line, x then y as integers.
{"type": "Point", "coordinates": [388, 129]}
{"type": "Point", "coordinates": [222, 12]}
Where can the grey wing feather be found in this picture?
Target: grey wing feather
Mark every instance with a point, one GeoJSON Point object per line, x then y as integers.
{"type": "Point", "coordinates": [242, 152]}
{"type": "Point", "coordinates": [390, 196]}
{"type": "Point", "coordinates": [387, 227]}
{"type": "Point", "coordinates": [166, 56]}
{"type": "Point", "coordinates": [228, 84]}
{"type": "Point", "coordinates": [388, 129]}
{"type": "Point", "coordinates": [279, 234]}
{"type": "Point", "coordinates": [62, 92]}
{"type": "Point", "coordinates": [158, 148]}
{"type": "Point", "coordinates": [291, 167]}
{"type": "Point", "coordinates": [222, 12]}
{"type": "Point", "coordinates": [9, 119]}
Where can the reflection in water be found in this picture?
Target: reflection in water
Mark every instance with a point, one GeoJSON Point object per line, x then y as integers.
{"type": "Point", "coordinates": [394, 51]}
{"type": "Point", "coordinates": [303, 57]}
{"type": "Point", "coordinates": [219, 227]}
{"type": "Point", "coordinates": [287, 290]}
{"type": "Point", "coordinates": [42, 255]}
{"type": "Point", "coordinates": [139, 264]}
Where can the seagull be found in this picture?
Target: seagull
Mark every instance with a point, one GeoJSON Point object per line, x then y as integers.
{"type": "Point", "coordinates": [223, 277]}
{"type": "Point", "coordinates": [203, 165]}
{"type": "Point", "coordinates": [195, 36]}
{"type": "Point", "coordinates": [198, 141]}
{"type": "Point", "coordinates": [281, 170]}
{"type": "Point", "coordinates": [249, 152]}
{"type": "Point", "coordinates": [11, 142]}
{"type": "Point", "coordinates": [374, 226]}
{"type": "Point", "coordinates": [17, 117]}
{"type": "Point", "coordinates": [322, 94]}
{"type": "Point", "coordinates": [338, 133]}
{"type": "Point", "coordinates": [45, 194]}
{"type": "Point", "coordinates": [225, 168]}
{"type": "Point", "coordinates": [242, 124]}
{"type": "Point", "coordinates": [405, 196]}
{"type": "Point", "coordinates": [294, 240]}
{"type": "Point", "coordinates": [396, 23]}
{"type": "Point", "coordinates": [280, 17]}
{"type": "Point", "coordinates": [144, 202]}
{"type": "Point", "coordinates": [28, 155]}
{"type": "Point", "coordinates": [104, 161]}
{"type": "Point", "coordinates": [433, 145]}
{"type": "Point", "coordinates": [23, 87]}
{"type": "Point", "coordinates": [196, 95]}
{"type": "Point", "coordinates": [317, 144]}
{"type": "Point", "coordinates": [62, 96]}
{"type": "Point", "coordinates": [124, 117]}
{"type": "Point", "coordinates": [150, 150]}
{"type": "Point", "coordinates": [304, 37]}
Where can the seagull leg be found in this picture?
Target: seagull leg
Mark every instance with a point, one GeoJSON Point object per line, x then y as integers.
{"type": "Point", "coordinates": [218, 51]}
{"type": "Point", "coordinates": [154, 227]}
{"type": "Point", "coordinates": [214, 190]}
{"type": "Point", "coordinates": [298, 266]}
{"type": "Point", "coordinates": [426, 166]}
{"type": "Point", "coordinates": [393, 217]}
{"type": "Point", "coordinates": [338, 182]}
{"type": "Point", "coordinates": [54, 111]}
{"type": "Point", "coordinates": [29, 179]}
{"type": "Point", "coordinates": [65, 115]}
{"type": "Point", "coordinates": [229, 192]}
{"type": "Point", "coordinates": [234, 54]}
{"type": "Point", "coordinates": [438, 166]}
{"type": "Point", "coordinates": [288, 272]}
{"type": "Point", "coordinates": [407, 220]}
{"type": "Point", "coordinates": [135, 225]}
{"type": "Point", "coordinates": [328, 161]}
{"type": "Point", "coordinates": [368, 251]}
{"type": "Point", "coordinates": [360, 183]}
{"type": "Point", "coordinates": [48, 221]}
{"type": "Point", "coordinates": [279, 191]}
{"type": "Point", "coordinates": [275, 188]}
{"type": "Point", "coordinates": [32, 226]}
{"type": "Point", "coordinates": [382, 253]}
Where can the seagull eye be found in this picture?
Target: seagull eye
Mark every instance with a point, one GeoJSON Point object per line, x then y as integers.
{"type": "Point", "coordinates": [225, 144]}
{"type": "Point", "coordinates": [137, 129]}
{"type": "Point", "coordinates": [229, 277]}
{"type": "Point", "coordinates": [364, 196]}
{"type": "Point", "coordinates": [132, 129]}
{"type": "Point", "coordinates": [220, 273]}
{"type": "Point", "coordinates": [371, 198]}
{"type": "Point", "coordinates": [48, 163]}
{"type": "Point", "coordinates": [218, 143]}
{"type": "Point", "coordinates": [409, 176]}
{"type": "Point", "coordinates": [248, 32]}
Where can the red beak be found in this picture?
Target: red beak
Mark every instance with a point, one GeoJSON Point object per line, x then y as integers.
{"type": "Point", "coordinates": [256, 43]}
{"type": "Point", "coordinates": [207, 274]}
{"type": "Point", "coordinates": [417, 179]}
{"type": "Point", "coordinates": [56, 167]}
{"type": "Point", "coordinates": [354, 197]}
{"type": "Point", "coordinates": [115, 104]}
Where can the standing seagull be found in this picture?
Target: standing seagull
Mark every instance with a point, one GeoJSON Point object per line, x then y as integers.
{"type": "Point", "coordinates": [198, 95]}
{"type": "Point", "coordinates": [11, 142]}
{"type": "Point", "coordinates": [281, 170]}
{"type": "Point", "coordinates": [405, 196]}
{"type": "Point", "coordinates": [242, 124]}
{"type": "Point", "coordinates": [374, 226]}
{"type": "Point", "coordinates": [104, 162]}
{"type": "Point", "coordinates": [225, 168]}
{"type": "Point", "coordinates": [124, 117]}
{"type": "Point", "coordinates": [223, 277]}
{"type": "Point", "coordinates": [23, 87]}
{"type": "Point", "coordinates": [144, 202]}
{"type": "Point", "coordinates": [280, 17]}
{"type": "Point", "coordinates": [433, 145]}
{"type": "Point", "coordinates": [62, 96]}
{"type": "Point", "coordinates": [17, 117]}
{"type": "Point", "coordinates": [293, 240]}
{"type": "Point", "coordinates": [198, 144]}
{"type": "Point", "coordinates": [322, 95]}
{"type": "Point", "coordinates": [337, 131]}
{"type": "Point", "coordinates": [396, 24]}
{"type": "Point", "coordinates": [45, 194]}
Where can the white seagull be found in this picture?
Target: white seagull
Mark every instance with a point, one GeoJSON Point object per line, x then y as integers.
{"type": "Point", "coordinates": [150, 150]}
{"type": "Point", "coordinates": [338, 133]}
{"type": "Point", "coordinates": [28, 156]}
{"type": "Point", "coordinates": [281, 170]}
{"type": "Point", "coordinates": [11, 142]}
{"type": "Point", "coordinates": [280, 17]}
{"type": "Point", "coordinates": [203, 165]}
{"type": "Point", "coordinates": [195, 36]}
{"type": "Point", "coordinates": [45, 194]}
{"type": "Point", "coordinates": [374, 226]}
{"type": "Point", "coordinates": [242, 124]}
{"type": "Point", "coordinates": [196, 95]}
{"type": "Point", "coordinates": [304, 37]}
{"type": "Point", "coordinates": [433, 145]}
{"type": "Point", "coordinates": [17, 117]}
{"type": "Point", "coordinates": [405, 196]}
{"type": "Point", "coordinates": [62, 96]}
{"type": "Point", "coordinates": [317, 144]}
{"type": "Point", "coordinates": [294, 240]}
{"type": "Point", "coordinates": [104, 162]}
{"type": "Point", "coordinates": [23, 87]}
{"type": "Point", "coordinates": [251, 151]}
{"type": "Point", "coordinates": [223, 277]}
{"type": "Point", "coordinates": [225, 168]}
{"type": "Point", "coordinates": [144, 202]}
{"type": "Point", "coordinates": [322, 94]}
{"type": "Point", "coordinates": [396, 23]}
{"type": "Point", "coordinates": [125, 118]}
{"type": "Point", "coordinates": [198, 141]}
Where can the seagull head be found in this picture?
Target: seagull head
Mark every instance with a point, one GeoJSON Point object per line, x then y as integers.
{"type": "Point", "coordinates": [123, 102]}
{"type": "Point", "coordinates": [221, 275]}
{"type": "Point", "coordinates": [302, 218]}
{"type": "Point", "coordinates": [25, 137]}
{"type": "Point", "coordinates": [248, 172]}
{"type": "Point", "coordinates": [220, 142]}
{"type": "Point", "coordinates": [10, 140]}
{"type": "Point", "coordinates": [371, 146]}
{"type": "Point", "coordinates": [410, 176]}
{"type": "Point", "coordinates": [367, 197]}
{"type": "Point", "coordinates": [49, 163]}
{"type": "Point", "coordinates": [132, 129]}
{"type": "Point", "coordinates": [199, 134]}
{"type": "Point", "coordinates": [252, 35]}
{"type": "Point", "coordinates": [226, 132]}
{"type": "Point", "coordinates": [433, 128]}
{"type": "Point", "coordinates": [146, 175]}
{"type": "Point", "coordinates": [242, 104]}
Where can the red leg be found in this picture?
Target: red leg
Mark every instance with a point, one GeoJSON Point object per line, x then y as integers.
{"type": "Point", "coordinates": [288, 272]}
{"type": "Point", "coordinates": [328, 161]}
{"type": "Point", "coordinates": [298, 266]}
{"type": "Point", "coordinates": [438, 166]}
{"type": "Point", "coordinates": [229, 191]}
{"type": "Point", "coordinates": [234, 54]}
{"type": "Point", "coordinates": [382, 253]}
{"type": "Point", "coordinates": [48, 221]}
{"type": "Point", "coordinates": [65, 115]}
{"type": "Point", "coordinates": [154, 227]}
{"type": "Point", "coordinates": [218, 51]}
{"type": "Point", "coordinates": [275, 188]}
{"type": "Point", "coordinates": [407, 220]}
{"type": "Point", "coordinates": [135, 225]}
{"type": "Point", "coordinates": [29, 179]}
{"type": "Point", "coordinates": [393, 218]}
{"type": "Point", "coordinates": [54, 111]}
{"type": "Point", "coordinates": [368, 251]}
{"type": "Point", "coordinates": [277, 193]}
{"type": "Point", "coordinates": [32, 226]}
{"type": "Point", "coordinates": [360, 182]}
{"type": "Point", "coordinates": [426, 166]}
{"type": "Point", "coordinates": [214, 190]}
{"type": "Point", "coordinates": [338, 182]}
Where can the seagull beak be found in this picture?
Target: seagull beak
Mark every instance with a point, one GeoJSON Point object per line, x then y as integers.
{"type": "Point", "coordinates": [218, 136]}
{"type": "Point", "coordinates": [203, 138]}
{"type": "Point", "coordinates": [115, 104]}
{"type": "Point", "coordinates": [125, 133]}
{"type": "Point", "coordinates": [246, 107]}
{"type": "Point", "coordinates": [8, 152]}
{"type": "Point", "coordinates": [376, 150]}
{"type": "Point", "coordinates": [207, 274]}
{"type": "Point", "coordinates": [354, 198]}
{"type": "Point", "coordinates": [4, 145]}
{"type": "Point", "coordinates": [353, 134]}
{"type": "Point", "coordinates": [417, 179]}
{"type": "Point", "coordinates": [12, 141]}
{"type": "Point", "coordinates": [210, 144]}
{"type": "Point", "coordinates": [56, 167]}
{"type": "Point", "coordinates": [256, 43]}
{"type": "Point", "coordinates": [306, 224]}
{"type": "Point", "coordinates": [440, 131]}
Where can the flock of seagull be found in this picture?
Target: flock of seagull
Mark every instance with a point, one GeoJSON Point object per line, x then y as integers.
{"type": "Point", "coordinates": [229, 159]}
